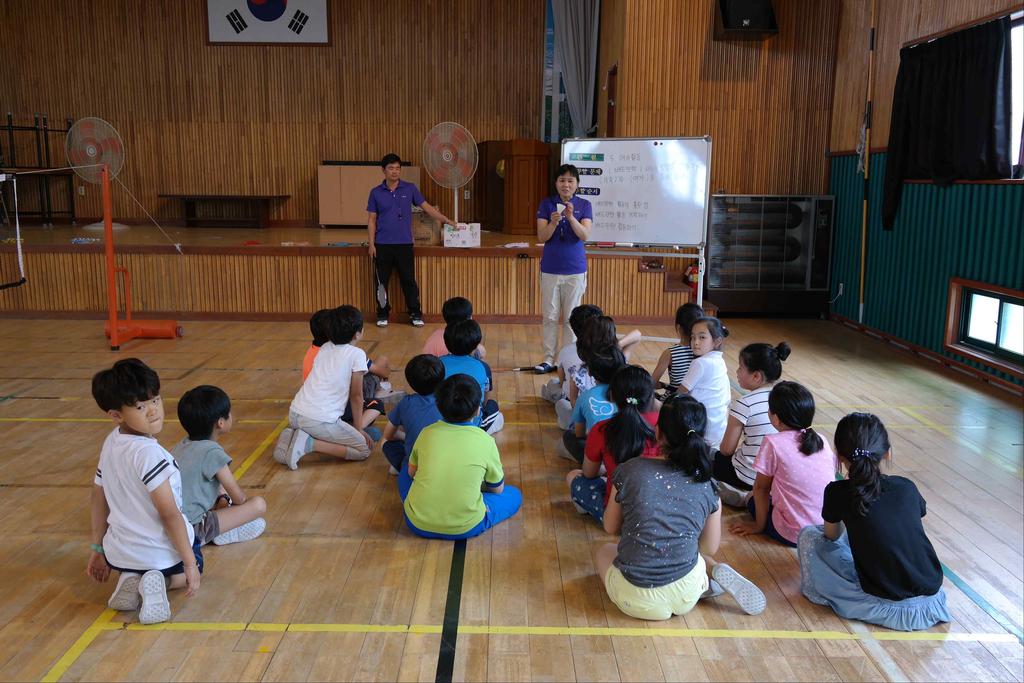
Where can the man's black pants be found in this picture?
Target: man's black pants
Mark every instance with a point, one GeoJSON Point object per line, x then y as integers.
{"type": "Point", "coordinates": [400, 256]}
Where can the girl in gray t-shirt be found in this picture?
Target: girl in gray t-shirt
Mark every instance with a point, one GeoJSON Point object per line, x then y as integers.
{"type": "Point", "coordinates": [668, 513]}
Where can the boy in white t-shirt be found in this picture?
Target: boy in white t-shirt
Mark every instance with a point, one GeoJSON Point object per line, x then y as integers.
{"type": "Point", "coordinates": [315, 418]}
{"type": "Point", "coordinates": [138, 528]}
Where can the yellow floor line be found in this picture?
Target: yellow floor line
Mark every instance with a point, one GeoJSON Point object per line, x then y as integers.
{"type": "Point", "coordinates": [579, 631]}
{"type": "Point", "coordinates": [248, 462]}
{"type": "Point", "coordinates": [72, 654]}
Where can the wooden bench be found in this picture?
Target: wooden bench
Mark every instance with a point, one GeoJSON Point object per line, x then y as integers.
{"type": "Point", "coordinates": [257, 208]}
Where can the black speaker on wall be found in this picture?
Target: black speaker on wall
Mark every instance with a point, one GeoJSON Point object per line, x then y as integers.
{"type": "Point", "coordinates": [744, 20]}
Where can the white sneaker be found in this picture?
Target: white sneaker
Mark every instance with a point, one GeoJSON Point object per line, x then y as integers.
{"type": "Point", "coordinates": [496, 424]}
{"type": "Point", "coordinates": [297, 448]}
{"type": "Point", "coordinates": [281, 447]}
{"type": "Point", "coordinates": [417, 322]}
{"type": "Point", "coordinates": [155, 606]}
{"type": "Point", "coordinates": [732, 496]}
{"type": "Point", "coordinates": [748, 596]}
{"type": "Point", "coordinates": [563, 413]}
{"type": "Point", "coordinates": [125, 597]}
{"type": "Point", "coordinates": [563, 452]}
{"type": "Point", "coordinates": [382, 322]}
{"type": "Point", "coordinates": [246, 532]}
{"type": "Point", "coordinates": [714, 590]}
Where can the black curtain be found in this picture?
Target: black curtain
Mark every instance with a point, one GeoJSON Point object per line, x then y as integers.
{"type": "Point", "coordinates": [950, 112]}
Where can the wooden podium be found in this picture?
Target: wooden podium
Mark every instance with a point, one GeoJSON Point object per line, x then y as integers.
{"type": "Point", "coordinates": [510, 204]}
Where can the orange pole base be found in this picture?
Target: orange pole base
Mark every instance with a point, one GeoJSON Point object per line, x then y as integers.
{"type": "Point", "coordinates": [144, 329]}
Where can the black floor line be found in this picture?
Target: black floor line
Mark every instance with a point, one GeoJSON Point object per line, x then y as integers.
{"type": "Point", "coordinates": [450, 625]}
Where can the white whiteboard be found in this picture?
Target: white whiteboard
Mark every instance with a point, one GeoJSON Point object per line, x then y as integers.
{"type": "Point", "coordinates": [645, 191]}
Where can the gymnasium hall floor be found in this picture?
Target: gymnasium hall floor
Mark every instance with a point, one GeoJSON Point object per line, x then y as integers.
{"type": "Point", "coordinates": [338, 589]}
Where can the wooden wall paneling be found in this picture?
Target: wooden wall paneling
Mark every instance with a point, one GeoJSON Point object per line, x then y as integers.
{"type": "Point", "coordinates": [898, 22]}
{"type": "Point", "coordinates": [297, 284]}
{"type": "Point", "coordinates": [766, 104]}
{"type": "Point", "coordinates": [258, 119]}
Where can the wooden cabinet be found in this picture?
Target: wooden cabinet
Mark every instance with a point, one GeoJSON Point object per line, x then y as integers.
{"type": "Point", "coordinates": [510, 204]}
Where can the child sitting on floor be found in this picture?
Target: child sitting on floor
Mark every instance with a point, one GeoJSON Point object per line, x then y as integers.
{"type": "Point", "coordinates": [593, 405]}
{"type": "Point", "coordinates": [676, 359]}
{"type": "Point", "coordinates": [462, 338]}
{"type": "Point", "coordinates": [206, 478]}
{"type": "Point", "coordinates": [667, 511]}
{"type": "Point", "coordinates": [626, 435]}
{"type": "Point", "coordinates": [573, 377]}
{"type": "Point", "coordinates": [793, 468]}
{"type": "Point", "coordinates": [707, 380]}
{"type": "Point", "coordinates": [453, 310]}
{"type": "Point", "coordinates": [883, 569]}
{"type": "Point", "coordinates": [414, 412]}
{"type": "Point", "coordinates": [138, 528]}
{"type": "Point", "coordinates": [452, 485]}
{"type": "Point", "coordinates": [315, 418]}
{"type": "Point", "coordinates": [375, 381]}
{"type": "Point", "coordinates": [760, 366]}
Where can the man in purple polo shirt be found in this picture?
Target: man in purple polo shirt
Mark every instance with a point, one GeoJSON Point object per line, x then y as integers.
{"type": "Point", "coordinates": [390, 225]}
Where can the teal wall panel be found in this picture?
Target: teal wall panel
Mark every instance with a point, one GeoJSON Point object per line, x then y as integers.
{"type": "Point", "coordinates": [968, 231]}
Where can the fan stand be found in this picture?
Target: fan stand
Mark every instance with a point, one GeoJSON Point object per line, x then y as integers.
{"type": "Point", "coordinates": [121, 331]}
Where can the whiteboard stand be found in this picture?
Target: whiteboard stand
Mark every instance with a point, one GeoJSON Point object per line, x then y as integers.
{"type": "Point", "coordinates": [646, 192]}
{"type": "Point", "coordinates": [680, 252]}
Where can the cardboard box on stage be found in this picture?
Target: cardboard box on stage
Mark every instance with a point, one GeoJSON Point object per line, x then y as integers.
{"type": "Point", "coordinates": [465, 235]}
{"type": "Point", "coordinates": [426, 232]}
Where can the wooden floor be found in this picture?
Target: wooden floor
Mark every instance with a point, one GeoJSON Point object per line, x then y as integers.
{"type": "Point", "coordinates": [338, 589]}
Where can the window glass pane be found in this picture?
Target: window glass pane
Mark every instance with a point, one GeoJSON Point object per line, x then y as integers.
{"type": "Point", "coordinates": [984, 318]}
{"type": "Point", "coordinates": [1011, 333]}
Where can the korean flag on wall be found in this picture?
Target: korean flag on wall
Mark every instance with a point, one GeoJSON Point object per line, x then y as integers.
{"type": "Point", "coordinates": [267, 21]}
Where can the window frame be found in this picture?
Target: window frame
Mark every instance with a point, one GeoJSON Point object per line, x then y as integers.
{"type": "Point", "coordinates": [958, 317]}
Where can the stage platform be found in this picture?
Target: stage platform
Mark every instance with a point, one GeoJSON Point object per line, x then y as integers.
{"type": "Point", "coordinates": [286, 273]}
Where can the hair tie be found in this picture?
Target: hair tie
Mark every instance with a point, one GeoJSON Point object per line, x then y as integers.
{"type": "Point", "coordinates": [804, 430]}
{"type": "Point", "coordinates": [862, 453]}
{"type": "Point", "coordinates": [690, 432]}
{"type": "Point", "coordinates": [632, 401]}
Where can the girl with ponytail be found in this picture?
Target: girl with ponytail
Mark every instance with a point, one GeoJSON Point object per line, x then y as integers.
{"type": "Point", "coordinates": [883, 570]}
{"type": "Point", "coordinates": [628, 434]}
{"type": "Point", "coordinates": [760, 366]}
{"type": "Point", "coordinates": [793, 468]}
{"type": "Point", "coordinates": [666, 508]}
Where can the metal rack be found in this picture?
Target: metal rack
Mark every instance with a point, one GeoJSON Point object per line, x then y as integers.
{"type": "Point", "coordinates": [42, 170]}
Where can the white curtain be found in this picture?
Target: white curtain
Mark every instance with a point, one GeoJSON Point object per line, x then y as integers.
{"type": "Point", "coordinates": [576, 28]}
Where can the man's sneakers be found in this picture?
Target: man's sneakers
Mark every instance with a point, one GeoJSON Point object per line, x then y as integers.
{"type": "Point", "coordinates": [543, 368]}
{"type": "Point", "coordinates": [281, 447]}
{"type": "Point", "coordinates": [416, 321]}
{"type": "Point", "coordinates": [301, 443]}
{"type": "Point", "coordinates": [125, 597]}
{"type": "Point", "coordinates": [748, 596]}
{"type": "Point", "coordinates": [155, 606]}
{"type": "Point", "coordinates": [246, 532]}
{"type": "Point", "coordinates": [382, 322]}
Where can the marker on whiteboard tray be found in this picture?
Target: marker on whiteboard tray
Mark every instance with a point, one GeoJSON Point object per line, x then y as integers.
{"type": "Point", "coordinates": [604, 245]}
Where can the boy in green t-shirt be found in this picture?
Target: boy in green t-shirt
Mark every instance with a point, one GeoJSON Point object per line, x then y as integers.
{"type": "Point", "coordinates": [453, 486]}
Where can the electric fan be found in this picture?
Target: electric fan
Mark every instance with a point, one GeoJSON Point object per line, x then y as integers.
{"type": "Point", "coordinates": [450, 157]}
{"type": "Point", "coordinates": [96, 153]}
{"type": "Point", "coordinates": [90, 143]}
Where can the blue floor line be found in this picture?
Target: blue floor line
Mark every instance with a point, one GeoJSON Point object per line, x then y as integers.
{"type": "Point", "coordinates": [984, 604]}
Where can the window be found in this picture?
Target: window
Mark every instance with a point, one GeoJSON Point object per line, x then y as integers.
{"type": "Point", "coordinates": [986, 323]}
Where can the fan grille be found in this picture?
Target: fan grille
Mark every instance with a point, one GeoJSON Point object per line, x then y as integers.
{"type": "Point", "coordinates": [92, 141]}
{"type": "Point", "coordinates": [450, 155]}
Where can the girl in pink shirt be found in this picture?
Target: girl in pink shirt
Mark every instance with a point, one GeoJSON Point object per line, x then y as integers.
{"type": "Point", "coordinates": [793, 468]}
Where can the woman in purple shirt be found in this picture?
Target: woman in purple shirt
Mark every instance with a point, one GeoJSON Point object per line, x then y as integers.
{"type": "Point", "coordinates": [563, 224]}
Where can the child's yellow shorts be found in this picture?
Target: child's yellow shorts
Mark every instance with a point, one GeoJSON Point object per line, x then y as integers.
{"type": "Point", "coordinates": [657, 604]}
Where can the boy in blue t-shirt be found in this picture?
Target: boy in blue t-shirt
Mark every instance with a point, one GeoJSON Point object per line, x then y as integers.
{"type": "Point", "coordinates": [462, 339]}
{"type": "Point", "coordinates": [414, 412]}
{"type": "Point", "coordinates": [593, 405]}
